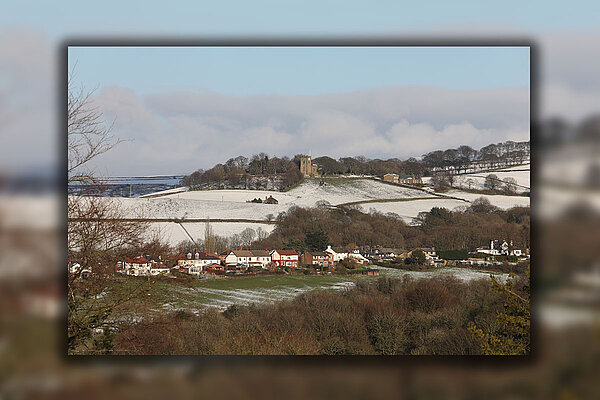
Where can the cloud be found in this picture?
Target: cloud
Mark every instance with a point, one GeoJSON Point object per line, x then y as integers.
{"type": "Point", "coordinates": [181, 131]}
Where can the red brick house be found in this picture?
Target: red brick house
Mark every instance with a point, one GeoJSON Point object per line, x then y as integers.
{"type": "Point", "coordinates": [285, 258]}
{"type": "Point", "coordinates": [320, 258]}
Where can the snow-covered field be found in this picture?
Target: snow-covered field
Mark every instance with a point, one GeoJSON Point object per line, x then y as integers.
{"type": "Point", "coordinates": [526, 165]}
{"type": "Point", "coordinates": [463, 274]}
{"type": "Point", "coordinates": [335, 191]}
{"type": "Point", "coordinates": [523, 179]}
{"type": "Point", "coordinates": [497, 200]}
{"type": "Point", "coordinates": [408, 210]}
{"type": "Point", "coordinates": [167, 191]}
{"type": "Point", "coordinates": [170, 207]}
{"type": "Point", "coordinates": [232, 204]}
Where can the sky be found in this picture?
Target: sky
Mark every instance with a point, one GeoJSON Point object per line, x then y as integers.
{"type": "Point", "coordinates": [286, 71]}
{"type": "Point", "coordinates": [445, 100]}
{"type": "Point", "coordinates": [173, 104]}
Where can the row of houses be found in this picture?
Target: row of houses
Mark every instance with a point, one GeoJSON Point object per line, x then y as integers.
{"type": "Point", "coordinates": [198, 263]}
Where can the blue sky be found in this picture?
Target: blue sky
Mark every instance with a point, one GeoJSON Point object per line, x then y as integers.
{"type": "Point", "coordinates": [298, 70]}
{"type": "Point", "coordinates": [268, 16]}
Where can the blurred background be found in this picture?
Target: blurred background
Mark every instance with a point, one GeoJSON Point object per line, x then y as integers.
{"type": "Point", "coordinates": [566, 202]}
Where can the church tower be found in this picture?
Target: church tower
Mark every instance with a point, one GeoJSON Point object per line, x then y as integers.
{"type": "Point", "coordinates": [306, 166]}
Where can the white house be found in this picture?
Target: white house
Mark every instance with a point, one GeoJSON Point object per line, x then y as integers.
{"type": "Point", "coordinates": [430, 253]}
{"type": "Point", "coordinates": [339, 254]}
{"type": "Point", "coordinates": [197, 260]}
{"type": "Point", "coordinates": [358, 258]}
{"type": "Point", "coordinates": [239, 257]}
{"type": "Point", "coordinates": [141, 266]}
{"type": "Point", "coordinates": [500, 249]}
{"type": "Point", "coordinates": [263, 258]}
{"type": "Point", "coordinates": [247, 258]}
{"type": "Point", "coordinates": [138, 266]}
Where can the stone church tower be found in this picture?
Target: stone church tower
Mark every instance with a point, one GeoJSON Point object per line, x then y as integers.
{"type": "Point", "coordinates": [306, 166]}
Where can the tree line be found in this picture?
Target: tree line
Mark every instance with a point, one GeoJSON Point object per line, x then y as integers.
{"type": "Point", "coordinates": [469, 228]}
{"type": "Point", "coordinates": [464, 155]}
{"type": "Point", "coordinates": [239, 170]}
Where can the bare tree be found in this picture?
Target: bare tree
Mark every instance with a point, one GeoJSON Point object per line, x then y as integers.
{"type": "Point", "coordinates": [510, 185]}
{"type": "Point", "coordinates": [470, 182]}
{"type": "Point", "coordinates": [88, 136]}
{"type": "Point", "coordinates": [98, 232]}
{"type": "Point", "coordinates": [248, 235]}
{"type": "Point", "coordinates": [261, 233]}
{"type": "Point", "coordinates": [440, 181]}
{"type": "Point", "coordinates": [209, 238]}
{"type": "Point", "coordinates": [492, 182]}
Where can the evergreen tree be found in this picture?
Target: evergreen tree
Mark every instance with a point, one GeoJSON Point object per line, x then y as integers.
{"type": "Point", "coordinates": [316, 240]}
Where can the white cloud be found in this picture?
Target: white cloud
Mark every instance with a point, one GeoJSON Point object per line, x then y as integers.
{"type": "Point", "coordinates": [177, 132]}
{"type": "Point", "coordinates": [180, 132]}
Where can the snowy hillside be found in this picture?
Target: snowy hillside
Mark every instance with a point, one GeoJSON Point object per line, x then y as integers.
{"type": "Point", "coordinates": [335, 191]}
{"type": "Point", "coordinates": [233, 205]}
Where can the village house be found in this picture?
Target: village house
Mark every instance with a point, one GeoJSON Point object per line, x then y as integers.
{"type": "Point", "coordinates": [263, 258]}
{"type": "Point", "coordinates": [137, 266]}
{"type": "Point", "coordinates": [238, 258]}
{"type": "Point", "coordinates": [159, 269]}
{"type": "Point", "coordinates": [320, 258]}
{"type": "Point", "coordinates": [386, 253]}
{"type": "Point", "coordinates": [358, 258]}
{"type": "Point", "coordinates": [341, 253]}
{"type": "Point", "coordinates": [246, 258]}
{"type": "Point", "coordinates": [498, 248]}
{"type": "Point", "coordinates": [430, 255]}
{"type": "Point", "coordinates": [142, 266]}
{"type": "Point", "coordinates": [270, 200]}
{"type": "Point", "coordinates": [287, 258]}
{"type": "Point", "coordinates": [196, 259]}
{"type": "Point", "coordinates": [391, 178]}
{"type": "Point", "coordinates": [338, 253]}
{"type": "Point", "coordinates": [411, 181]}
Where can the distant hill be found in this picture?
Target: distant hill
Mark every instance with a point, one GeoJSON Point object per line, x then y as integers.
{"type": "Point", "coordinates": [274, 173]}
